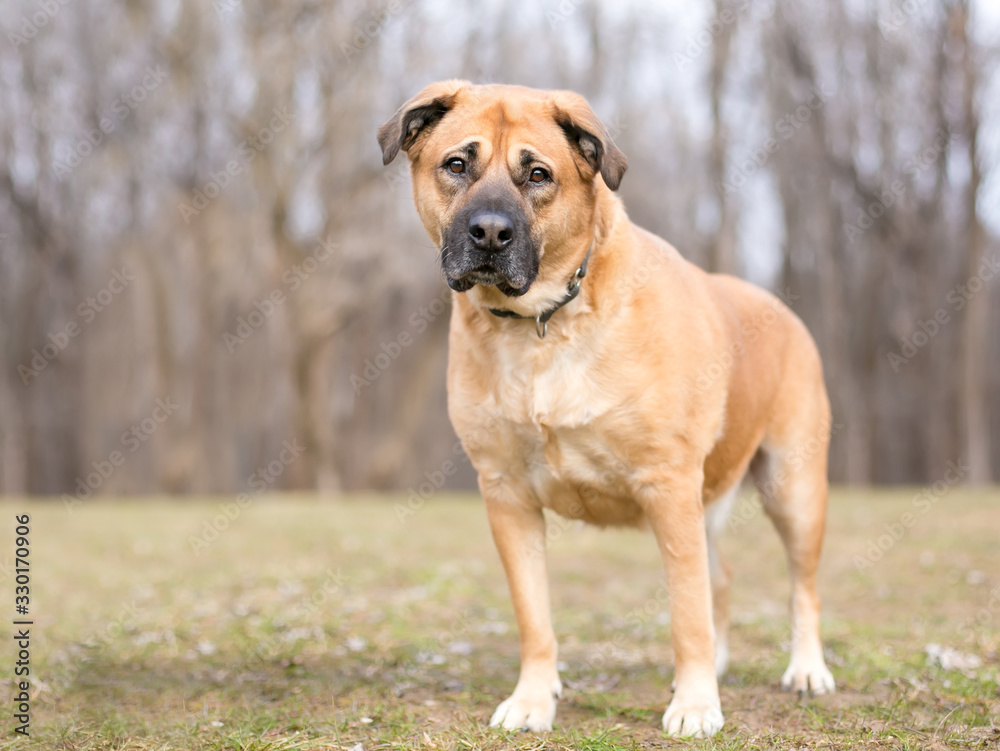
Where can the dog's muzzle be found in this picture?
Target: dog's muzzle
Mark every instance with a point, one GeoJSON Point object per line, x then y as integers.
{"type": "Point", "coordinates": [491, 246]}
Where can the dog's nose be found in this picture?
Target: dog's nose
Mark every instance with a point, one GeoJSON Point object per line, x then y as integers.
{"type": "Point", "coordinates": [490, 230]}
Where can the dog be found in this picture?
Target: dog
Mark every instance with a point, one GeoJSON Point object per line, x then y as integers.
{"type": "Point", "coordinates": [594, 372]}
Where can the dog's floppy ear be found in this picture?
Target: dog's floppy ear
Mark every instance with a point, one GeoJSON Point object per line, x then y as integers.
{"type": "Point", "coordinates": [588, 135]}
{"type": "Point", "coordinates": [402, 129]}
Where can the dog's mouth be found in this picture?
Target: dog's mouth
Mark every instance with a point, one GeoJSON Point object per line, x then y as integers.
{"type": "Point", "coordinates": [489, 277]}
{"type": "Point", "coordinates": [511, 273]}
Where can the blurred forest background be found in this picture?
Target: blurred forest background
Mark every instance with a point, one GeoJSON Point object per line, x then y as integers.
{"type": "Point", "coordinates": [193, 210]}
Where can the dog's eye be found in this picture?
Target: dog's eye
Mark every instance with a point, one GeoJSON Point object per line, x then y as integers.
{"type": "Point", "coordinates": [456, 166]}
{"type": "Point", "coordinates": [538, 175]}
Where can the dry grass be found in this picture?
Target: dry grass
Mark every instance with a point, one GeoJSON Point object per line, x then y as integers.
{"type": "Point", "coordinates": [141, 644]}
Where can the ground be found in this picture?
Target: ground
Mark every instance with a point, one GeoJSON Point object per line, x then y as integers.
{"type": "Point", "coordinates": [312, 623]}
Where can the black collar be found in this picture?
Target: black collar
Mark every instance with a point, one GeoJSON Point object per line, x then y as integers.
{"type": "Point", "coordinates": [572, 290]}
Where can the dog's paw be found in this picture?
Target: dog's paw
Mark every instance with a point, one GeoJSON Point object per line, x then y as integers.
{"type": "Point", "coordinates": [530, 707]}
{"type": "Point", "coordinates": [808, 676]}
{"type": "Point", "coordinates": [692, 720]}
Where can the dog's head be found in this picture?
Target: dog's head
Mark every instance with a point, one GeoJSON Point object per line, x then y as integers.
{"type": "Point", "coordinates": [500, 175]}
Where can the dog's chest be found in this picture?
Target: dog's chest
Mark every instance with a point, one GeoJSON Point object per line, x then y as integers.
{"type": "Point", "coordinates": [550, 389]}
{"type": "Point", "coordinates": [559, 393]}
{"type": "Point", "coordinates": [553, 413]}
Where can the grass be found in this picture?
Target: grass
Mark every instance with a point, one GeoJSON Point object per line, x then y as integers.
{"type": "Point", "coordinates": [329, 624]}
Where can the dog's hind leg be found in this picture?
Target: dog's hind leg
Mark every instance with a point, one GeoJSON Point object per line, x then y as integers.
{"type": "Point", "coordinates": [716, 514]}
{"type": "Point", "coordinates": [790, 472]}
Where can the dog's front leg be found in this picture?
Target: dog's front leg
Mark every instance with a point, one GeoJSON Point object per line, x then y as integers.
{"type": "Point", "coordinates": [673, 506]}
{"type": "Point", "coordinates": [519, 534]}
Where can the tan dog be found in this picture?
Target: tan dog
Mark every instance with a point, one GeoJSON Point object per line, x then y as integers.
{"type": "Point", "coordinates": [646, 398]}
